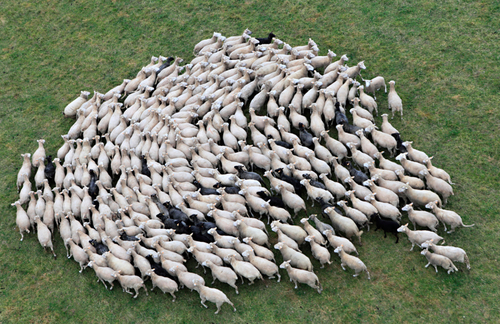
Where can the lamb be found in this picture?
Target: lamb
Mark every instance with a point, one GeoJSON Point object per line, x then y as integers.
{"type": "Point", "coordinates": [302, 276]}
{"type": "Point", "coordinates": [319, 253]}
{"type": "Point", "coordinates": [211, 294]}
{"type": "Point", "coordinates": [351, 261]}
{"type": "Point", "coordinates": [130, 281]}
{"type": "Point", "coordinates": [419, 237]}
{"type": "Point", "coordinates": [165, 284]}
{"type": "Point", "coordinates": [223, 274]}
{"type": "Point", "coordinates": [296, 258]}
{"type": "Point", "coordinates": [453, 253]}
{"type": "Point", "coordinates": [375, 84]}
{"type": "Point", "coordinates": [446, 216]}
{"type": "Point", "coordinates": [265, 266]}
{"type": "Point", "coordinates": [438, 185]}
{"type": "Point", "coordinates": [336, 241]}
{"type": "Point", "coordinates": [395, 103]}
{"type": "Point", "coordinates": [439, 260]}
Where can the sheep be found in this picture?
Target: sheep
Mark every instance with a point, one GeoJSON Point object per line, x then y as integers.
{"type": "Point", "coordinates": [184, 277]}
{"type": "Point", "coordinates": [22, 219]}
{"type": "Point", "coordinates": [413, 182]}
{"type": "Point", "coordinates": [421, 218]}
{"type": "Point", "coordinates": [311, 231]}
{"type": "Point", "coordinates": [420, 197]}
{"type": "Point", "coordinates": [292, 200]}
{"type": "Point", "coordinates": [260, 250]}
{"type": "Point", "coordinates": [387, 225]}
{"type": "Point", "coordinates": [335, 146]}
{"type": "Point", "coordinates": [244, 269]}
{"type": "Point", "coordinates": [320, 253]}
{"type": "Point", "coordinates": [118, 264]}
{"type": "Point", "coordinates": [382, 139]}
{"type": "Point", "coordinates": [383, 194]}
{"type": "Point", "coordinates": [367, 101]}
{"type": "Point", "coordinates": [336, 241]}
{"type": "Point", "coordinates": [320, 225]}
{"type": "Point", "coordinates": [375, 84]}
{"type": "Point", "coordinates": [335, 188]}
{"type": "Point", "coordinates": [351, 261]}
{"type": "Point", "coordinates": [213, 295]}
{"type": "Point", "coordinates": [359, 157]}
{"type": "Point", "coordinates": [437, 172]}
{"type": "Point", "coordinates": [103, 274]}
{"type": "Point", "coordinates": [419, 237]}
{"type": "Point", "coordinates": [302, 276]}
{"type": "Point", "coordinates": [296, 258]}
{"type": "Point", "coordinates": [71, 109]}
{"type": "Point", "coordinates": [439, 260]}
{"type": "Point", "coordinates": [315, 193]}
{"type": "Point", "coordinates": [130, 281]}
{"type": "Point", "coordinates": [395, 103]}
{"type": "Point", "coordinates": [203, 256]}
{"type": "Point", "coordinates": [283, 238]}
{"type": "Point", "coordinates": [384, 209]}
{"type": "Point", "coordinates": [356, 215]}
{"type": "Point", "coordinates": [25, 169]}
{"type": "Point", "coordinates": [258, 235]}
{"type": "Point", "coordinates": [344, 224]}
{"type": "Point", "coordinates": [353, 71]}
{"type": "Point", "coordinates": [223, 274]}
{"type": "Point", "coordinates": [446, 216]}
{"type": "Point", "coordinates": [412, 167]}
{"type": "Point", "coordinates": [387, 164]}
{"type": "Point", "coordinates": [297, 233]}
{"type": "Point", "coordinates": [386, 126]}
{"type": "Point", "coordinates": [165, 284]}
{"type": "Point", "coordinates": [453, 253]}
{"type": "Point", "coordinates": [438, 185]}
{"type": "Point", "coordinates": [265, 266]}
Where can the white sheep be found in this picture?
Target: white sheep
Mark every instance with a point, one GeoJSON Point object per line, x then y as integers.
{"type": "Point", "coordinates": [319, 252]}
{"type": "Point", "coordinates": [265, 266]}
{"type": "Point", "coordinates": [439, 260]}
{"type": "Point", "coordinates": [351, 261]}
{"type": "Point", "coordinates": [344, 224]}
{"type": "Point", "coordinates": [446, 216]}
{"type": "Point", "coordinates": [213, 295]}
{"type": "Point", "coordinates": [455, 254]}
{"type": "Point", "coordinates": [130, 281]}
{"type": "Point", "coordinates": [336, 241]}
{"type": "Point", "coordinates": [419, 237]}
{"type": "Point", "coordinates": [422, 218]}
{"type": "Point", "coordinates": [223, 274]}
{"type": "Point", "coordinates": [395, 103]}
{"type": "Point", "coordinates": [302, 276]}
{"type": "Point", "coordinates": [375, 84]}
{"type": "Point", "coordinates": [296, 258]}
{"type": "Point", "coordinates": [165, 284]}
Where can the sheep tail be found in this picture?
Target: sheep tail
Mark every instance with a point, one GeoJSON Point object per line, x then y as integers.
{"type": "Point", "coordinates": [467, 225]}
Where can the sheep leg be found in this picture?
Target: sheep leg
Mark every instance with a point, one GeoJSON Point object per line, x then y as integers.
{"type": "Point", "coordinates": [342, 265]}
{"type": "Point", "coordinates": [173, 295]}
{"type": "Point", "coordinates": [295, 282]}
{"type": "Point", "coordinates": [279, 277]}
{"type": "Point", "coordinates": [203, 302]}
{"type": "Point", "coordinates": [397, 237]}
{"type": "Point", "coordinates": [428, 264]}
{"type": "Point", "coordinates": [218, 307]}
{"type": "Point", "coordinates": [136, 292]}
{"type": "Point", "coordinates": [466, 258]}
{"type": "Point", "coordinates": [102, 283]}
{"type": "Point", "coordinates": [435, 267]}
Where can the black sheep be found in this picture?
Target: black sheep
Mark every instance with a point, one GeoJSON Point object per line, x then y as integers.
{"type": "Point", "coordinates": [50, 169]}
{"type": "Point", "coordinates": [400, 148]}
{"type": "Point", "coordinates": [165, 64]}
{"type": "Point", "coordinates": [359, 176]}
{"type": "Point", "coordinates": [229, 190]}
{"type": "Point", "coordinates": [387, 225]}
{"type": "Point", "coordinates": [242, 174]}
{"type": "Point", "coordinates": [313, 182]}
{"type": "Point", "coordinates": [99, 247]}
{"type": "Point", "coordinates": [306, 138]}
{"type": "Point", "coordinates": [266, 40]}
{"type": "Point", "coordinates": [125, 237]}
{"type": "Point", "coordinates": [93, 189]}
{"type": "Point", "coordinates": [281, 143]}
{"type": "Point", "coordinates": [273, 201]}
{"type": "Point", "coordinates": [351, 129]}
{"type": "Point", "coordinates": [158, 269]}
{"type": "Point", "coordinates": [340, 117]}
{"type": "Point", "coordinates": [291, 180]}
{"type": "Point", "coordinates": [205, 191]}
{"type": "Point", "coordinates": [144, 169]}
{"type": "Point", "coordinates": [161, 207]}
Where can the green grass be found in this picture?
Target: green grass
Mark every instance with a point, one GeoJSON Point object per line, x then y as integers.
{"type": "Point", "coordinates": [444, 58]}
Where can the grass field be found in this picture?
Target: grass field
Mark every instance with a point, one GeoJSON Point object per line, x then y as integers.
{"type": "Point", "coordinates": [444, 57]}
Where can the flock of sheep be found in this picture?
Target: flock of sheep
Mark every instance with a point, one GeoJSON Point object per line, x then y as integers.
{"type": "Point", "coordinates": [162, 170]}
